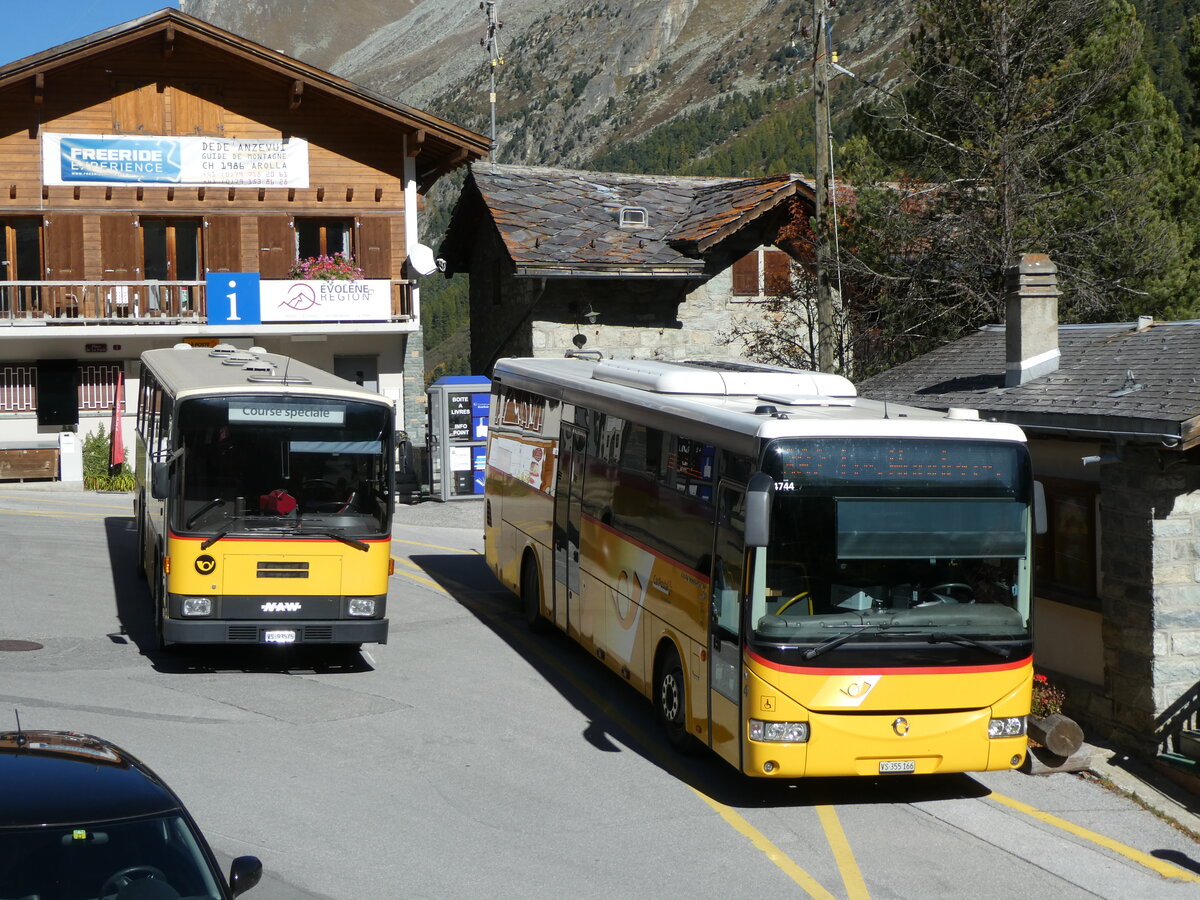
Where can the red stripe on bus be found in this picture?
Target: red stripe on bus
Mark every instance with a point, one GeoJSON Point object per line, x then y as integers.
{"type": "Point", "coordinates": [278, 540]}
{"type": "Point", "coordinates": [890, 670]}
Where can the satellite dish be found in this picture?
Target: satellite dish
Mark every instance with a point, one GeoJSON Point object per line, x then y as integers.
{"type": "Point", "coordinates": [422, 261]}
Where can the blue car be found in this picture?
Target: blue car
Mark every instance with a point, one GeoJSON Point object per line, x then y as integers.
{"type": "Point", "coordinates": [81, 819]}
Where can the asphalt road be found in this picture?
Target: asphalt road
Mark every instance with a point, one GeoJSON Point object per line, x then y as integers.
{"type": "Point", "coordinates": [467, 758]}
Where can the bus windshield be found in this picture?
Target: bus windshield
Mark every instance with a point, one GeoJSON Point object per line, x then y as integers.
{"type": "Point", "coordinates": [287, 464]}
{"type": "Point", "coordinates": [895, 540]}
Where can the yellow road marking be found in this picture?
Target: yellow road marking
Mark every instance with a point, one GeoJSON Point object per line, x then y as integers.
{"type": "Point", "coordinates": [396, 540]}
{"type": "Point", "coordinates": [54, 515]}
{"type": "Point", "coordinates": [856, 887]}
{"type": "Point", "coordinates": [731, 816]}
{"type": "Point", "coordinates": [772, 852]}
{"type": "Point", "coordinates": [63, 502]}
{"type": "Point", "coordinates": [1162, 867]}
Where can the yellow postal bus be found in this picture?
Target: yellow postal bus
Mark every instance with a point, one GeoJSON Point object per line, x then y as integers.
{"type": "Point", "coordinates": [807, 582]}
{"type": "Point", "coordinates": [264, 499]}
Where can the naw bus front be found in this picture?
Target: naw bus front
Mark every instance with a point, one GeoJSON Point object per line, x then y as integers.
{"type": "Point", "coordinates": [886, 622]}
{"type": "Point", "coordinates": [277, 520]}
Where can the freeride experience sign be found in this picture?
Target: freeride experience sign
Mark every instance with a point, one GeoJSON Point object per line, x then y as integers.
{"type": "Point", "coordinates": [185, 160]}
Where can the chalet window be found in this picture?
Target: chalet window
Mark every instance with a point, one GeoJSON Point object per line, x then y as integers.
{"type": "Point", "coordinates": [745, 276]}
{"type": "Point", "coordinates": [1066, 558]}
{"type": "Point", "coordinates": [171, 249]}
{"type": "Point", "coordinates": [777, 273]}
{"type": "Point", "coordinates": [323, 237]}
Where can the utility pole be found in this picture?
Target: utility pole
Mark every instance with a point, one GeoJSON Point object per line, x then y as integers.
{"type": "Point", "coordinates": [492, 46]}
{"type": "Point", "coordinates": [821, 229]}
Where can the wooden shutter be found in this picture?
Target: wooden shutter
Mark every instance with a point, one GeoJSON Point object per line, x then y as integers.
{"type": "Point", "coordinates": [195, 109]}
{"type": "Point", "coordinates": [745, 275]}
{"type": "Point", "coordinates": [137, 108]}
{"type": "Point", "coordinates": [223, 244]}
{"type": "Point", "coordinates": [777, 273]}
{"type": "Point", "coordinates": [276, 246]}
{"type": "Point", "coordinates": [64, 247]}
{"type": "Point", "coordinates": [375, 246]}
{"type": "Point", "coordinates": [120, 249]}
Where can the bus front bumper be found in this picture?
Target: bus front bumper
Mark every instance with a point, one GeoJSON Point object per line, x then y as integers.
{"type": "Point", "coordinates": [245, 631]}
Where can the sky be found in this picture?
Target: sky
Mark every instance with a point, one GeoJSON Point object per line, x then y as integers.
{"type": "Point", "coordinates": [31, 26]}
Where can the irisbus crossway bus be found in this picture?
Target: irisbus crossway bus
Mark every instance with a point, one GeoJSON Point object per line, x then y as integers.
{"type": "Point", "coordinates": [807, 582]}
{"type": "Point", "coordinates": [264, 500]}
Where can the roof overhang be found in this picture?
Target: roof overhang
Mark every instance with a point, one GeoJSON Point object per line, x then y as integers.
{"type": "Point", "coordinates": [438, 145]}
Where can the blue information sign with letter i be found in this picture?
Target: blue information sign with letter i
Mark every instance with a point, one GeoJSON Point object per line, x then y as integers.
{"type": "Point", "coordinates": [233, 298]}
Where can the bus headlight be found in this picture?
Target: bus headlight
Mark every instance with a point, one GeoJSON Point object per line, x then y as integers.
{"type": "Point", "coordinates": [781, 732]}
{"type": "Point", "coordinates": [1012, 726]}
{"type": "Point", "coordinates": [361, 606]}
{"type": "Point", "coordinates": [197, 606]}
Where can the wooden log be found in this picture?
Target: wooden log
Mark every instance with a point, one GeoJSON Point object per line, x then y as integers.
{"type": "Point", "coordinates": [1058, 734]}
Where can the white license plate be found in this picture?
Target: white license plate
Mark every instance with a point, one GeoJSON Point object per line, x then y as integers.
{"type": "Point", "coordinates": [279, 637]}
{"type": "Point", "coordinates": [897, 765]}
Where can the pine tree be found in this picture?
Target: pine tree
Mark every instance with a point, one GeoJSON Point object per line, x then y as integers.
{"type": "Point", "coordinates": [1026, 126]}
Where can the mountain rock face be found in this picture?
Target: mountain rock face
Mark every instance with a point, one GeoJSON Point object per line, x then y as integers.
{"type": "Point", "coordinates": [576, 78]}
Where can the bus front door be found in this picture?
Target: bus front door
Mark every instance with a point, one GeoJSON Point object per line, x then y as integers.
{"type": "Point", "coordinates": [568, 494]}
{"type": "Point", "coordinates": [725, 631]}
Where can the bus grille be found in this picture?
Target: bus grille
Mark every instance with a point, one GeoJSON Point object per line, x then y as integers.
{"type": "Point", "coordinates": [243, 633]}
{"type": "Point", "coordinates": [251, 633]}
{"type": "Point", "coordinates": [283, 570]}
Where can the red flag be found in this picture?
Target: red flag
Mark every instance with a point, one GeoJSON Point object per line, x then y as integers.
{"type": "Point", "coordinates": [117, 435]}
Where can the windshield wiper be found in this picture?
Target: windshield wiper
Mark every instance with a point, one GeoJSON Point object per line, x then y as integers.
{"type": "Point", "coordinates": [338, 536]}
{"type": "Point", "coordinates": [212, 540]}
{"type": "Point", "coordinates": [216, 501]}
{"type": "Point", "coordinates": [842, 638]}
{"type": "Point", "coordinates": [1002, 652]}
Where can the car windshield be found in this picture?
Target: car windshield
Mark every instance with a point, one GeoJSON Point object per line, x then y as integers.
{"type": "Point", "coordinates": [284, 465]}
{"type": "Point", "coordinates": [106, 862]}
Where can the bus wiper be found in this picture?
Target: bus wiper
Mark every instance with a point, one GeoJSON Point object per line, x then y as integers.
{"type": "Point", "coordinates": [212, 540]}
{"type": "Point", "coordinates": [195, 517]}
{"type": "Point", "coordinates": [842, 638]}
{"type": "Point", "coordinates": [338, 536]}
{"type": "Point", "coordinates": [1002, 652]}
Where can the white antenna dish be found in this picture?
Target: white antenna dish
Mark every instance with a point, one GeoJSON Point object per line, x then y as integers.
{"type": "Point", "coordinates": [422, 260]}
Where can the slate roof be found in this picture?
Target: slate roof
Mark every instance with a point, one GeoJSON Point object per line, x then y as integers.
{"type": "Point", "coordinates": [565, 222]}
{"type": "Point", "coordinates": [1112, 379]}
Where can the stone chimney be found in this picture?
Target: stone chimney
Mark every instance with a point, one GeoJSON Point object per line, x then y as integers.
{"type": "Point", "coordinates": [1030, 319]}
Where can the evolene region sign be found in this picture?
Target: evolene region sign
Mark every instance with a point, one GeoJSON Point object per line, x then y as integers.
{"type": "Point", "coordinates": [186, 160]}
{"type": "Point", "coordinates": [241, 298]}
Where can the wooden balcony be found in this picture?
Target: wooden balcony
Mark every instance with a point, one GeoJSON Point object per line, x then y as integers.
{"type": "Point", "coordinates": [133, 302]}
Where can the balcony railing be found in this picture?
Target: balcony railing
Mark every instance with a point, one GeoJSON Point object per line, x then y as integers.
{"type": "Point", "coordinates": [132, 302]}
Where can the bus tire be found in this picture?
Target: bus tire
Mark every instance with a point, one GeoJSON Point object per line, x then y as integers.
{"type": "Point", "coordinates": [531, 597]}
{"type": "Point", "coordinates": [158, 596]}
{"type": "Point", "coordinates": [670, 700]}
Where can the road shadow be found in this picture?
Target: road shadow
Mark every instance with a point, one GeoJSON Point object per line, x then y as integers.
{"type": "Point", "coordinates": [619, 717]}
{"type": "Point", "coordinates": [135, 613]}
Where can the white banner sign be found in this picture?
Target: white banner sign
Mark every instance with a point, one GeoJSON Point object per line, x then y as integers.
{"type": "Point", "coordinates": [366, 300]}
{"type": "Point", "coordinates": [185, 160]}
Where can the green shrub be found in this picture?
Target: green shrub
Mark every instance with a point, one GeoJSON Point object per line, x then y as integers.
{"type": "Point", "coordinates": [97, 474]}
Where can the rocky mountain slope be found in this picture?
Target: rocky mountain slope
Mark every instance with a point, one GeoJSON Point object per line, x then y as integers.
{"type": "Point", "coordinates": [578, 78]}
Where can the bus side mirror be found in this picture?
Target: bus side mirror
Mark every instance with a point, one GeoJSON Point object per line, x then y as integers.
{"type": "Point", "coordinates": [1040, 524]}
{"type": "Point", "coordinates": [159, 480]}
{"type": "Point", "coordinates": [759, 493]}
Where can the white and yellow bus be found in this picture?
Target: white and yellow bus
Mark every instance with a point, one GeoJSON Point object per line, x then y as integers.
{"type": "Point", "coordinates": [807, 582]}
{"type": "Point", "coordinates": [264, 499]}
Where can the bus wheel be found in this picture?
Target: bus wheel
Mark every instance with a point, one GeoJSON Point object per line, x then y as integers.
{"type": "Point", "coordinates": [670, 701]}
{"type": "Point", "coordinates": [531, 598]}
{"type": "Point", "coordinates": [141, 539]}
{"type": "Point", "coordinates": [158, 596]}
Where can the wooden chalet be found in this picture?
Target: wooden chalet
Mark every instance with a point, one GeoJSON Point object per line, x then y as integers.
{"type": "Point", "coordinates": [139, 162]}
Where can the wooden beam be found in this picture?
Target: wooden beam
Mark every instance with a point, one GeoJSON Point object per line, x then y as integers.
{"type": "Point", "coordinates": [232, 193]}
{"type": "Point", "coordinates": [378, 194]}
{"type": "Point", "coordinates": [12, 192]}
{"type": "Point", "coordinates": [349, 195]}
{"type": "Point", "coordinates": [320, 194]}
{"type": "Point", "coordinates": [291, 194]}
{"type": "Point", "coordinates": [297, 93]}
{"type": "Point", "coordinates": [76, 192]}
{"type": "Point", "coordinates": [168, 42]}
{"type": "Point", "coordinates": [141, 192]}
{"type": "Point", "coordinates": [449, 164]}
{"type": "Point", "coordinates": [416, 141]}
{"type": "Point", "coordinates": [170, 193]}
{"type": "Point", "coordinates": [108, 192]}
{"type": "Point", "coordinates": [200, 193]}
{"type": "Point", "coordinates": [39, 88]}
{"type": "Point", "coordinates": [262, 194]}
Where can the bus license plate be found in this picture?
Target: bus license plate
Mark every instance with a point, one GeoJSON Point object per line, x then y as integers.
{"type": "Point", "coordinates": [279, 637]}
{"type": "Point", "coordinates": [895, 766]}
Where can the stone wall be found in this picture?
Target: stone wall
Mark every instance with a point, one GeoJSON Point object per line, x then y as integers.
{"type": "Point", "coordinates": [1150, 596]}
